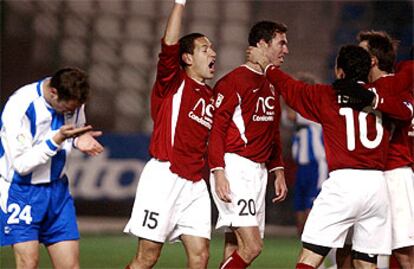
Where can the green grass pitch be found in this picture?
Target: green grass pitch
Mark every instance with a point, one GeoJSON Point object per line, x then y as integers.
{"type": "Point", "coordinates": [114, 251]}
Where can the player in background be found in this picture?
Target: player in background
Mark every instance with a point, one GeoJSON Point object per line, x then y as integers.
{"type": "Point", "coordinates": [40, 124]}
{"type": "Point", "coordinates": [398, 174]}
{"type": "Point", "coordinates": [356, 143]}
{"type": "Point", "coordinates": [308, 152]}
{"type": "Point", "coordinates": [172, 201]}
{"type": "Point", "coordinates": [244, 145]}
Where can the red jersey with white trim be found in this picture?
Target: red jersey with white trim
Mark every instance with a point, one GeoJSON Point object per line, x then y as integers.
{"type": "Point", "coordinates": [246, 119]}
{"type": "Point", "coordinates": [352, 139]}
{"type": "Point", "coordinates": [181, 109]}
{"type": "Point", "coordinates": [399, 85]}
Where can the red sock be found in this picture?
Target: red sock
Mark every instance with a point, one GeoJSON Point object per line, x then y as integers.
{"type": "Point", "coordinates": [304, 266]}
{"type": "Point", "coordinates": [394, 263]}
{"type": "Point", "coordinates": [234, 262]}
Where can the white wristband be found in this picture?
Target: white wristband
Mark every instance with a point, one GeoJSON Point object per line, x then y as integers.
{"type": "Point", "coordinates": [181, 2]}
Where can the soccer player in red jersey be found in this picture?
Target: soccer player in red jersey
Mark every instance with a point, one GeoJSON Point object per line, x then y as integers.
{"type": "Point", "coordinates": [244, 145]}
{"type": "Point", "coordinates": [356, 143]}
{"type": "Point", "coordinates": [172, 201]}
{"type": "Point", "coordinates": [398, 174]}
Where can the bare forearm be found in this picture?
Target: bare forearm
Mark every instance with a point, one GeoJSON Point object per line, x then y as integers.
{"type": "Point", "coordinates": [173, 29]}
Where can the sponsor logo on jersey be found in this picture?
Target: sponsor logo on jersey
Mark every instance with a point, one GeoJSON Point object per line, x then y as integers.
{"type": "Point", "coordinates": [202, 113]}
{"type": "Point", "coordinates": [409, 106]}
{"type": "Point", "coordinates": [264, 109]}
{"type": "Point", "coordinates": [219, 99]}
{"type": "Point", "coordinates": [21, 139]}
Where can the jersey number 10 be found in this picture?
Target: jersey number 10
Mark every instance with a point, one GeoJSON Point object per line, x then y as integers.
{"type": "Point", "coordinates": [363, 128]}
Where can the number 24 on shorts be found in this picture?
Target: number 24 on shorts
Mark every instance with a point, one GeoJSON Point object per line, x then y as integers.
{"type": "Point", "coordinates": [18, 214]}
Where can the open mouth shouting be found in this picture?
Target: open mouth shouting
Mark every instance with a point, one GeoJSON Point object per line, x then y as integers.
{"type": "Point", "coordinates": [211, 66]}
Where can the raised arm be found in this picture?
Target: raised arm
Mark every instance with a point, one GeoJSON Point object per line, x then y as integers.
{"type": "Point", "coordinates": [173, 28]}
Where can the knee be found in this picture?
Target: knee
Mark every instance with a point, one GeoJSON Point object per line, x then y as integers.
{"type": "Point", "coordinates": [25, 262]}
{"type": "Point", "coordinates": [147, 260]}
{"type": "Point", "coordinates": [252, 250]}
{"type": "Point", "coordinates": [256, 248]}
{"type": "Point", "coordinates": [199, 259]}
{"type": "Point", "coordinates": [74, 265]}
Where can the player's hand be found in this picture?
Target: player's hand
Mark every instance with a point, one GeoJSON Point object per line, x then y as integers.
{"type": "Point", "coordinates": [352, 94]}
{"type": "Point", "coordinates": [69, 131]}
{"type": "Point", "coordinates": [222, 186]}
{"type": "Point", "coordinates": [257, 55]}
{"type": "Point", "coordinates": [281, 189]}
{"type": "Point", "coordinates": [88, 144]}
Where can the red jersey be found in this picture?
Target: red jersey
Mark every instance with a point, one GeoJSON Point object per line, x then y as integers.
{"type": "Point", "coordinates": [246, 119]}
{"type": "Point", "coordinates": [181, 109]}
{"type": "Point", "coordinates": [353, 139]}
{"type": "Point", "coordinates": [399, 85]}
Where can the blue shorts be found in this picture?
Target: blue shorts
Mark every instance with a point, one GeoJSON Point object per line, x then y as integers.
{"type": "Point", "coordinates": [306, 186]}
{"type": "Point", "coordinates": [43, 212]}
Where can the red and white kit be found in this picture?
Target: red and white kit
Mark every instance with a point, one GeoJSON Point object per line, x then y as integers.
{"type": "Point", "coordinates": [246, 133]}
{"type": "Point", "coordinates": [181, 109]}
{"type": "Point", "coordinates": [356, 144]}
{"type": "Point", "coordinates": [399, 175]}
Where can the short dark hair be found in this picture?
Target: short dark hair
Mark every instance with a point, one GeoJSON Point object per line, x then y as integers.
{"type": "Point", "coordinates": [265, 30]}
{"type": "Point", "coordinates": [382, 46]}
{"type": "Point", "coordinates": [71, 84]}
{"type": "Point", "coordinates": [355, 61]}
{"type": "Point", "coordinates": [187, 45]}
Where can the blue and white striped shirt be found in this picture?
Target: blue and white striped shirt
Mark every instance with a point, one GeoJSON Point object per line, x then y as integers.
{"type": "Point", "coordinates": [28, 154]}
{"type": "Point", "coordinates": [307, 145]}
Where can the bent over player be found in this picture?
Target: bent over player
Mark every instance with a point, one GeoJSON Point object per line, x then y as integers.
{"type": "Point", "coordinates": [172, 201]}
{"type": "Point", "coordinates": [356, 143]}
{"type": "Point", "coordinates": [244, 145]}
{"type": "Point", "coordinates": [40, 124]}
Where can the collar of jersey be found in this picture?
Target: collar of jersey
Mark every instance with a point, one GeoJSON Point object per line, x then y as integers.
{"type": "Point", "coordinates": [251, 69]}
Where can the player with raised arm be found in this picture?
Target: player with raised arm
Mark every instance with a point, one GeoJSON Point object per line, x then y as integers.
{"type": "Point", "coordinates": [40, 124]}
{"type": "Point", "coordinates": [385, 86]}
{"type": "Point", "coordinates": [356, 144]}
{"type": "Point", "coordinates": [244, 146]}
{"type": "Point", "coordinates": [172, 201]}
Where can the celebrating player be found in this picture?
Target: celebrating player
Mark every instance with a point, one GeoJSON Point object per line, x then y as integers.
{"type": "Point", "coordinates": [399, 175]}
{"type": "Point", "coordinates": [172, 201]}
{"type": "Point", "coordinates": [356, 143]}
{"type": "Point", "coordinates": [41, 123]}
{"type": "Point", "coordinates": [244, 145]}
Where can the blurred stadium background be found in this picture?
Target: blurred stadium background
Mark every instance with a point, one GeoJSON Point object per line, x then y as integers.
{"type": "Point", "coordinates": [117, 43]}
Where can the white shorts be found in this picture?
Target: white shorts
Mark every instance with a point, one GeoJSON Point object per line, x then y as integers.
{"type": "Point", "coordinates": [400, 182]}
{"type": "Point", "coordinates": [351, 198]}
{"type": "Point", "coordinates": [248, 182]}
{"type": "Point", "coordinates": [167, 206]}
